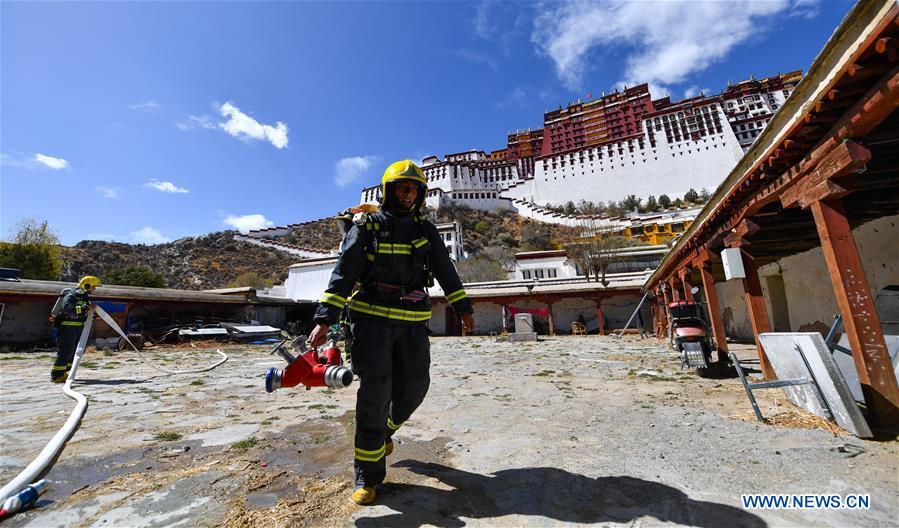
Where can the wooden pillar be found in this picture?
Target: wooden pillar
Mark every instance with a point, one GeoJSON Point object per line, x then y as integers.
{"type": "Point", "coordinates": [685, 283]}
{"type": "Point", "coordinates": [504, 313]}
{"type": "Point", "coordinates": [675, 295]}
{"type": "Point", "coordinates": [869, 351]}
{"type": "Point", "coordinates": [599, 318]}
{"type": "Point", "coordinates": [758, 313]}
{"type": "Point", "coordinates": [752, 287]}
{"type": "Point", "coordinates": [552, 329]}
{"type": "Point", "coordinates": [662, 308]}
{"type": "Point", "coordinates": [711, 297]}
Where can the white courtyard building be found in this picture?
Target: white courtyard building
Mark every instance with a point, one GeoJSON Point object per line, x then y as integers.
{"type": "Point", "coordinates": [555, 264]}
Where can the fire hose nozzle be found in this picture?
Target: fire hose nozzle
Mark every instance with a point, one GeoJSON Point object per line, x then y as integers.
{"type": "Point", "coordinates": [272, 379]}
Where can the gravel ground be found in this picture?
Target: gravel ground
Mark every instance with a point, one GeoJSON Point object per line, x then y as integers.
{"type": "Point", "coordinates": [569, 430]}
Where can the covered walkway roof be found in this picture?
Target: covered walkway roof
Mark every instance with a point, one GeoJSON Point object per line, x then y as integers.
{"type": "Point", "coordinates": [827, 162]}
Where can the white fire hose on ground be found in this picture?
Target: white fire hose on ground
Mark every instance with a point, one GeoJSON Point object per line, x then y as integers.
{"type": "Point", "coordinates": [10, 491]}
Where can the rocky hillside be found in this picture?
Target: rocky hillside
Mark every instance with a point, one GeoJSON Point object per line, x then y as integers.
{"type": "Point", "coordinates": [480, 229]}
{"type": "Point", "coordinates": [322, 235]}
{"type": "Point", "coordinates": [192, 263]}
{"type": "Point", "coordinates": [216, 259]}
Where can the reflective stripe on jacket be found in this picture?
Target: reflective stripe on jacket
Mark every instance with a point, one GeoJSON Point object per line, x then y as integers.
{"type": "Point", "coordinates": [388, 250]}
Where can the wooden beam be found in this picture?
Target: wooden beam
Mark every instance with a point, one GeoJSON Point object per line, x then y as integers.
{"type": "Point", "coordinates": [869, 351]}
{"type": "Point", "coordinates": [843, 159]}
{"type": "Point", "coordinates": [739, 234]}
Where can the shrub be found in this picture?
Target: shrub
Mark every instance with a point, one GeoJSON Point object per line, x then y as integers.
{"type": "Point", "coordinates": [34, 250]}
{"type": "Point", "coordinates": [134, 275]}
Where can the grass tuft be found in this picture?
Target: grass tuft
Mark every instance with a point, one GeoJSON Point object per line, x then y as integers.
{"type": "Point", "coordinates": [245, 444]}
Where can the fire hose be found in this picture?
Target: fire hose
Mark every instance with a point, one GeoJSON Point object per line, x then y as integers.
{"type": "Point", "coordinates": [12, 496]}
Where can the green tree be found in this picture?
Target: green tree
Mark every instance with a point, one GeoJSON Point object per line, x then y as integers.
{"type": "Point", "coordinates": [482, 227]}
{"type": "Point", "coordinates": [34, 250]}
{"type": "Point", "coordinates": [34, 231]}
{"type": "Point", "coordinates": [251, 279]}
{"type": "Point", "coordinates": [678, 204]}
{"type": "Point", "coordinates": [615, 208]}
{"type": "Point", "coordinates": [664, 201]}
{"type": "Point", "coordinates": [704, 195]}
{"type": "Point", "coordinates": [691, 196]}
{"type": "Point", "coordinates": [631, 203]}
{"type": "Point", "coordinates": [570, 209]}
{"type": "Point", "coordinates": [651, 204]}
{"type": "Point", "coordinates": [134, 275]}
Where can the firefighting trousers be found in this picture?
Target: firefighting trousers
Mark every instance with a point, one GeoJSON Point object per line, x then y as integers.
{"type": "Point", "coordinates": [67, 340]}
{"type": "Point", "coordinates": [392, 361]}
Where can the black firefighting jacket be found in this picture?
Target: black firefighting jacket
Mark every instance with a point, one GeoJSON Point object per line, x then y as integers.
{"type": "Point", "coordinates": [386, 262]}
{"type": "Point", "coordinates": [71, 306]}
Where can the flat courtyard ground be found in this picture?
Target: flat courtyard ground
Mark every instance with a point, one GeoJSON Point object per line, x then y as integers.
{"type": "Point", "coordinates": [565, 431]}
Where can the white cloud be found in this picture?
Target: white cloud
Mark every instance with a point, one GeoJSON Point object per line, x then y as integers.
{"type": "Point", "coordinates": [192, 122]}
{"type": "Point", "coordinates": [148, 235]}
{"type": "Point", "coordinates": [480, 58]}
{"type": "Point", "coordinates": [148, 106]}
{"type": "Point", "coordinates": [108, 192]}
{"type": "Point", "coordinates": [50, 161]}
{"type": "Point", "coordinates": [164, 186]}
{"type": "Point", "coordinates": [349, 171]}
{"type": "Point", "coordinates": [17, 161]}
{"type": "Point", "coordinates": [248, 222]}
{"type": "Point", "coordinates": [693, 91]}
{"type": "Point", "coordinates": [517, 97]}
{"type": "Point", "coordinates": [481, 25]}
{"type": "Point", "coordinates": [665, 42]}
{"type": "Point", "coordinates": [244, 127]}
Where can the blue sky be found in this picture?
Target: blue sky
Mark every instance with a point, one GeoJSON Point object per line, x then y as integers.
{"type": "Point", "coordinates": [146, 122]}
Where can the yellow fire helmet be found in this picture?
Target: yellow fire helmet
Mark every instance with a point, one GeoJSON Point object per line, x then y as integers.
{"type": "Point", "coordinates": [400, 171]}
{"type": "Point", "coordinates": [89, 283]}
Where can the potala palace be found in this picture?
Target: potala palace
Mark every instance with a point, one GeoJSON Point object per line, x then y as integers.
{"type": "Point", "coordinates": [621, 144]}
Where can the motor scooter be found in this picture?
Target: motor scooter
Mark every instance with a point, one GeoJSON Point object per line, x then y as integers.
{"type": "Point", "coordinates": [689, 334]}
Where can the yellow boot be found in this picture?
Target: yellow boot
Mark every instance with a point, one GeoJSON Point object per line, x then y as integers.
{"type": "Point", "coordinates": [364, 495]}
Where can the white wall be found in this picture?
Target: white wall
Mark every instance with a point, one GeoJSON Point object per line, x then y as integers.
{"type": "Point", "coordinates": [810, 296]}
{"type": "Point", "coordinates": [488, 316]}
{"type": "Point", "coordinates": [811, 303]}
{"type": "Point", "coordinates": [565, 268]}
{"type": "Point", "coordinates": [308, 282]}
{"type": "Point", "coordinates": [666, 169]}
{"type": "Point", "coordinates": [733, 310]}
{"type": "Point", "coordinates": [274, 244]}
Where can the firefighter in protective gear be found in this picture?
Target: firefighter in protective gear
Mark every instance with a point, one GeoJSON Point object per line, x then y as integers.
{"type": "Point", "coordinates": [388, 258]}
{"type": "Point", "coordinates": [69, 314]}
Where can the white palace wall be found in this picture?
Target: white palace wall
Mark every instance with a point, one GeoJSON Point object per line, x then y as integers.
{"type": "Point", "coordinates": [615, 172]}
